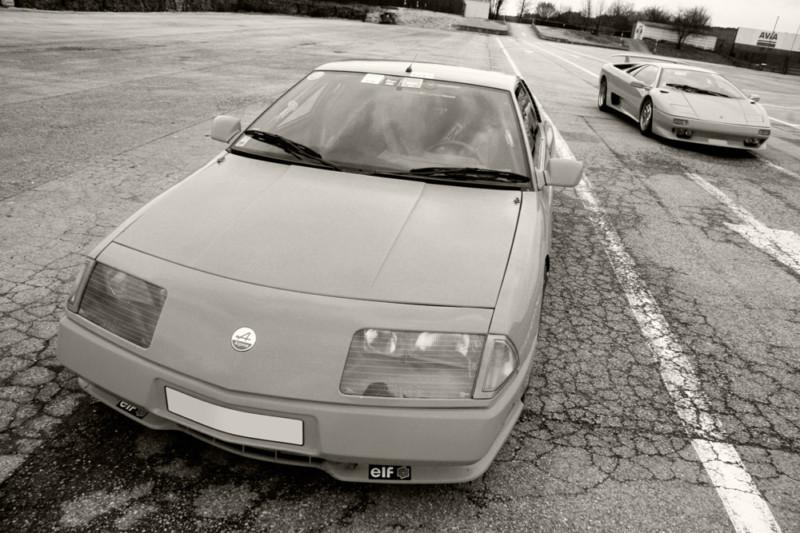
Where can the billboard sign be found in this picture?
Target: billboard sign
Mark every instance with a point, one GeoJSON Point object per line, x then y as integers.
{"type": "Point", "coordinates": [768, 39]}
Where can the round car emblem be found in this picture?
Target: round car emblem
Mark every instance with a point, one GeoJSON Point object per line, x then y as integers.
{"type": "Point", "coordinates": [243, 339]}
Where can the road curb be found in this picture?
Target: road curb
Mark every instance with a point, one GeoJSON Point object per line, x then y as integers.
{"type": "Point", "coordinates": [480, 29]}
{"type": "Point", "coordinates": [570, 41]}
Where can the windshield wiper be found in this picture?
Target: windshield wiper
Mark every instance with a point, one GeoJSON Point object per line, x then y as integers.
{"type": "Point", "coordinates": [691, 88]}
{"type": "Point", "coordinates": [470, 174]}
{"type": "Point", "coordinates": [298, 150]}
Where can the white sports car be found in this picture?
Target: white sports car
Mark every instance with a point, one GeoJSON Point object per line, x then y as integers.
{"type": "Point", "coordinates": [682, 102]}
{"type": "Point", "coordinates": [353, 284]}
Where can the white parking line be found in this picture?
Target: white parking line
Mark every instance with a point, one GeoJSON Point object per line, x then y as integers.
{"type": "Point", "coordinates": [541, 49]}
{"type": "Point", "coordinates": [796, 126]}
{"type": "Point", "coordinates": [746, 508]}
{"type": "Point", "coordinates": [780, 168]}
{"type": "Point", "coordinates": [783, 245]}
{"type": "Point", "coordinates": [595, 58]}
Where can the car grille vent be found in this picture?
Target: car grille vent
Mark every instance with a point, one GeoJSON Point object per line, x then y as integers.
{"type": "Point", "coordinates": [265, 454]}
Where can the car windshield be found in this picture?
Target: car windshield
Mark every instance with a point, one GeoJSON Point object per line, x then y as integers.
{"type": "Point", "coordinates": [694, 81]}
{"type": "Point", "coordinates": [393, 124]}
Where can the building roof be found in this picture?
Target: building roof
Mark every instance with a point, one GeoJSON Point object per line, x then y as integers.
{"type": "Point", "coordinates": [471, 76]}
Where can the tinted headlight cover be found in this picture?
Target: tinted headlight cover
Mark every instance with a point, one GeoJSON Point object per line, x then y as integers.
{"type": "Point", "coordinates": [123, 304]}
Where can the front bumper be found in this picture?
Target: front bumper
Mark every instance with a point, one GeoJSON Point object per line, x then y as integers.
{"type": "Point", "coordinates": [708, 132]}
{"type": "Point", "coordinates": [441, 445]}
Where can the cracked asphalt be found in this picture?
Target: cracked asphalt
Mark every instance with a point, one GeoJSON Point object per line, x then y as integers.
{"type": "Point", "coordinates": [100, 112]}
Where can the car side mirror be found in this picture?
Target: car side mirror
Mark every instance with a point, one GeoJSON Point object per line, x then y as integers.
{"type": "Point", "coordinates": [225, 127]}
{"type": "Point", "coordinates": [755, 97]}
{"type": "Point", "coordinates": [563, 172]}
{"type": "Point", "coordinates": [636, 84]}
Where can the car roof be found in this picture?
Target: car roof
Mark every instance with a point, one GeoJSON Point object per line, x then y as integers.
{"type": "Point", "coordinates": [674, 66]}
{"type": "Point", "coordinates": [688, 67]}
{"type": "Point", "coordinates": [646, 58]}
{"type": "Point", "coordinates": [484, 78]}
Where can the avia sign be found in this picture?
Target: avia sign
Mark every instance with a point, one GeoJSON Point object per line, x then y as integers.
{"type": "Point", "coordinates": [768, 39]}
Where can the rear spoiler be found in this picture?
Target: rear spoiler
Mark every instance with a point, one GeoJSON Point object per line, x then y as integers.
{"type": "Point", "coordinates": [649, 58]}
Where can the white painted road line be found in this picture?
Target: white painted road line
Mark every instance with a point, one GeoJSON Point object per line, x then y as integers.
{"type": "Point", "coordinates": [746, 508]}
{"type": "Point", "coordinates": [594, 58]}
{"type": "Point", "coordinates": [508, 58]}
{"type": "Point", "coordinates": [577, 66]}
{"type": "Point", "coordinates": [780, 168]}
{"type": "Point", "coordinates": [796, 126]}
{"type": "Point", "coordinates": [782, 245]}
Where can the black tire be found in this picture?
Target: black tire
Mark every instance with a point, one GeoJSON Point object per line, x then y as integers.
{"type": "Point", "coordinates": [602, 96]}
{"type": "Point", "coordinates": [646, 117]}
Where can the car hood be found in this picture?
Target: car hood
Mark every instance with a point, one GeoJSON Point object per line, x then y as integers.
{"type": "Point", "coordinates": [714, 108]}
{"type": "Point", "coordinates": [332, 233]}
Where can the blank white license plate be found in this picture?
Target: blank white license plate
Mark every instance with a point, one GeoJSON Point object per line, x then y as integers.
{"type": "Point", "coordinates": [718, 142]}
{"type": "Point", "coordinates": [239, 423]}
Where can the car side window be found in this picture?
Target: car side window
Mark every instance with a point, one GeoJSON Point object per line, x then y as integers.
{"type": "Point", "coordinates": [530, 117]}
{"type": "Point", "coordinates": [647, 75]}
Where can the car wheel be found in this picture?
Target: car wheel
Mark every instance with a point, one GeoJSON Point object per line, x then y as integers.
{"type": "Point", "coordinates": [646, 117]}
{"type": "Point", "coordinates": [602, 95]}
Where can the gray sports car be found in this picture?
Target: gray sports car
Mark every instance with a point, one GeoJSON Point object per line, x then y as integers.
{"type": "Point", "coordinates": [682, 102]}
{"type": "Point", "coordinates": [353, 284]}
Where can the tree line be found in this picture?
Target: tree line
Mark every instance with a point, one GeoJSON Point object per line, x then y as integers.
{"type": "Point", "coordinates": [617, 17]}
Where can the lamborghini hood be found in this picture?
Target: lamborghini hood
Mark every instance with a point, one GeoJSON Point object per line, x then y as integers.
{"type": "Point", "coordinates": [336, 234]}
{"type": "Point", "coordinates": [714, 108]}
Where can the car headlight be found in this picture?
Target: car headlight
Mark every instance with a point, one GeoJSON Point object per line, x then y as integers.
{"type": "Point", "coordinates": [421, 364]}
{"type": "Point", "coordinates": [123, 304]}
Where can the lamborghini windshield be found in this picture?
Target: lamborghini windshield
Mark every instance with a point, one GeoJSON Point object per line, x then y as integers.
{"type": "Point", "coordinates": [391, 124]}
{"type": "Point", "coordinates": [694, 81]}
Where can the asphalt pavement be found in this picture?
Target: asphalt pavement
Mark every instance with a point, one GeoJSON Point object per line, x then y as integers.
{"type": "Point", "coordinates": [669, 255]}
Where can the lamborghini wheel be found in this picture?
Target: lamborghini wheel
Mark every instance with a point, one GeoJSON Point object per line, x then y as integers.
{"type": "Point", "coordinates": [602, 95]}
{"type": "Point", "coordinates": [646, 117]}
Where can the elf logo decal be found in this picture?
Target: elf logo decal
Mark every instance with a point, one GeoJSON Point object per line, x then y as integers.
{"type": "Point", "coordinates": [243, 339]}
{"type": "Point", "coordinates": [390, 472]}
{"type": "Point", "coordinates": [132, 409]}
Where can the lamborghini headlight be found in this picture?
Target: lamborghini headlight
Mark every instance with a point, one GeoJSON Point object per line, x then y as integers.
{"type": "Point", "coordinates": [420, 364]}
{"type": "Point", "coordinates": [123, 304]}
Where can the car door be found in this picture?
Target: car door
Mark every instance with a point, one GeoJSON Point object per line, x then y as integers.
{"type": "Point", "coordinates": [632, 100]}
{"type": "Point", "coordinates": [540, 137]}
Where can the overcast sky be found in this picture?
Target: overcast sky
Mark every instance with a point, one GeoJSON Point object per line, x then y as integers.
{"type": "Point", "coordinates": [728, 13]}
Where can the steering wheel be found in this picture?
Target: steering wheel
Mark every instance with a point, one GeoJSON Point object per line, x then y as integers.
{"type": "Point", "coordinates": [463, 147]}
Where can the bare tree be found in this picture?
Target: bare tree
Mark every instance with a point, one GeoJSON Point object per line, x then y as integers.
{"type": "Point", "coordinates": [587, 9]}
{"type": "Point", "coordinates": [494, 8]}
{"type": "Point", "coordinates": [545, 10]}
{"type": "Point", "coordinates": [600, 6]}
{"type": "Point", "coordinates": [620, 8]}
{"type": "Point", "coordinates": [656, 14]}
{"type": "Point", "coordinates": [689, 21]}
{"type": "Point", "coordinates": [523, 7]}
